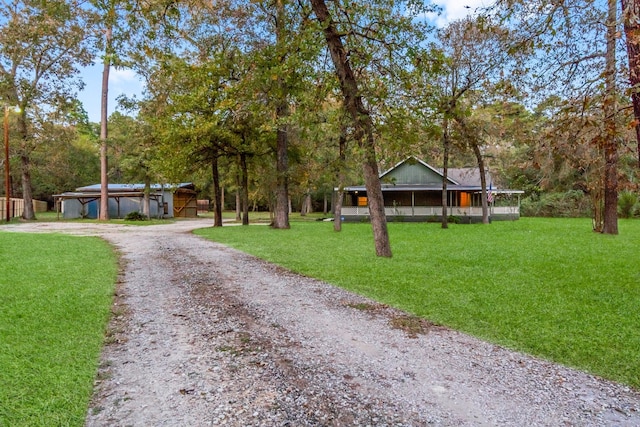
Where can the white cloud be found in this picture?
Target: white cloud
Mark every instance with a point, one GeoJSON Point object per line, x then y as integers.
{"type": "Point", "coordinates": [122, 76]}
{"type": "Point", "coordinates": [453, 10]}
{"type": "Point", "coordinates": [121, 82]}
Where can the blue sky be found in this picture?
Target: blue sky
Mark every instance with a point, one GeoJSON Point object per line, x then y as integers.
{"type": "Point", "coordinates": [126, 82]}
{"type": "Point", "coordinates": [457, 9]}
{"type": "Point", "coordinates": [121, 82]}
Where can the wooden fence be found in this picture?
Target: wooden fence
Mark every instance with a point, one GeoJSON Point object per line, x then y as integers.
{"type": "Point", "coordinates": [16, 207]}
{"type": "Point", "coordinates": [203, 206]}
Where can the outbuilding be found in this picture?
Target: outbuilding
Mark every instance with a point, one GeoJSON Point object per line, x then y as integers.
{"type": "Point", "coordinates": [165, 201]}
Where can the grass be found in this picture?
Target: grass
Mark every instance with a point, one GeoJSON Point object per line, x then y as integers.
{"type": "Point", "coordinates": [549, 287]}
{"type": "Point", "coordinates": [55, 296]}
{"type": "Point", "coordinates": [262, 217]}
{"type": "Point", "coordinates": [52, 216]}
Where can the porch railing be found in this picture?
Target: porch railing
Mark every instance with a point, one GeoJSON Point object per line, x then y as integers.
{"type": "Point", "coordinates": [407, 211]}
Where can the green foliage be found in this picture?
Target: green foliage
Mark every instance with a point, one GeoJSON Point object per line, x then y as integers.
{"type": "Point", "coordinates": [627, 204]}
{"type": "Point", "coordinates": [452, 219]}
{"type": "Point", "coordinates": [55, 306]}
{"type": "Point", "coordinates": [550, 287]}
{"type": "Point", "coordinates": [135, 216]}
{"type": "Point", "coordinates": [67, 160]}
{"type": "Point", "coordinates": [570, 204]}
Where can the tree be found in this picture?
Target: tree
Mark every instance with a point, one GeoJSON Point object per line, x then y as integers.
{"type": "Point", "coordinates": [108, 9]}
{"type": "Point", "coordinates": [136, 145]}
{"type": "Point", "coordinates": [610, 143]}
{"type": "Point", "coordinates": [631, 22]}
{"type": "Point", "coordinates": [42, 46]}
{"type": "Point", "coordinates": [363, 124]}
{"type": "Point", "coordinates": [65, 157]}
{"type": "Point", "coordinates": [281, 214]}
{"type": "Point", "coordinates": [271, 35]}
{"type": "Point", "coordinates": [574, 56]}
{"type": "Point", "coordinates": [366, 44]}
{"type": "Point", "coordinates": [452, 85]}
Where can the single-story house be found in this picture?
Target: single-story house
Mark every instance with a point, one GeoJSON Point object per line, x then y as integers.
{"type": "Point", "coordinates": [412, 191]}
{"type": "Point", "coordinates": [165, 201]}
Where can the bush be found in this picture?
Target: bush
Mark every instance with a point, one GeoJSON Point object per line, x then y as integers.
{"type": "Point", "coordinates": [570, 204]}
{"type": "Point", "coordinates": [453, 219]}
{"type": "Point", "coordinates": [627, 204]}
{"type": "Point", "coordinates": [135, 216]}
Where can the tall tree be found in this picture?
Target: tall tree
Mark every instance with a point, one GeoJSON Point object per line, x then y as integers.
{"type": "Point", "coordinates": [66, 156]}
{"type": "Point", "coordinates": [42, 47]}
{"type": "Point", "coordinates": [104, 180]}
{"type": "Point", "coordinates": [574, 57]}
{"type": "Point", "coordinates": [631, 22]}
{"type": "Point", "coordinates": [475, 54]}
{"type": "Point", "coordinates": [114, 33]}
{"type": "Point", "coordinates": [368, 44]}
{"type": "Point", "coordinates": [610, 144]}
{"type": "Point", "coordinates": [363, 124]}
{"type": "Point", "coordinates": [281, 214]}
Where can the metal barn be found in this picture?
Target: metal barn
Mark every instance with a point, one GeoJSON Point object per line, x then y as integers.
{"type": "Point", "coordinates": [165, 201]}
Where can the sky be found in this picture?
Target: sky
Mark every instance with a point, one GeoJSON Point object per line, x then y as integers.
{"type": "Point", "coordinates": [456, 9]}
{"type": "Point", "coordinates": [121, 82]}
{"type": "Point", "coordinates": [126, 82]}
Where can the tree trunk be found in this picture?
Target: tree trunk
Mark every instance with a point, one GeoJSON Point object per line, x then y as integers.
{"type": "Point", "coordinates": [238, 193]}
{"type": "Point", "coordinates": [631, 20]}
{"type": "Point", "coordinates": [483, 182]}
{"type": "Point", "coordinates": [217, 193]}
{"type": "Point", "coordinates": [104, 179]}
{"type": "Point", "coordinates": [610, 224]}
{"type": "Point", "coordinates": [597, 196]}
{"type": "Point", "coordinates": [306, 204]}
{"type": "Point", "coordinates": [146, 205]}
{"type": "Point", "coordinates": [27, 195]}
{"type": "Point", "coordinates": [475, 146]}
{"type": "Point", "coordinates": [363, 125]}
{"type": "Point", "coordinates": [245, 189]}
{"type": "Point", "coordinates": [342, 158]}
{"type": "Point", "coordinates": [7, 167]}
{"type": "Point", "coordinates": [25, 162]}
{"type": "Point", "coordinates": [445, 171]}
{"type": "Point", "coordinates": [303, 206]}
{"type": "Point", "coordinates": [337, 208]}
{"type": "Point", "coordinates": [281, 218]}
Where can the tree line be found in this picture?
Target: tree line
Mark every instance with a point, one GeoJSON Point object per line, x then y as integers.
{"type": "Point", "coordinates": [282, 100]}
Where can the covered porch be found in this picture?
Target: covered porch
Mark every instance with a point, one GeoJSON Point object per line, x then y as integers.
{"type": "Point", "coordinates": [424, 203]}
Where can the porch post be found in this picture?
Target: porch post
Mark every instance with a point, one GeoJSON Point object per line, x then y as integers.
{"type": "Point", "coordinates": [413, 202]}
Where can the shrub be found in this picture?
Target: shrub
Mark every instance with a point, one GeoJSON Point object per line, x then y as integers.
{"type": "Point", "coordinates": [135, 216]}
{"type": "Point", "coordinates": [453, 219]}
{"type": "Point", "coordinates": [627, 204]}
{"type": "Point", "coordinates": [570, 204]}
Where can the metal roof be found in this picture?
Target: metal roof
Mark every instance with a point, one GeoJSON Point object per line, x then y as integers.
{"type": "Point", "coordinates": [132, 187]}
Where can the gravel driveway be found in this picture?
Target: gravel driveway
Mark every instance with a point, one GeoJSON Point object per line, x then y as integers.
{"type": "Point", "coordinates": [205, 335]}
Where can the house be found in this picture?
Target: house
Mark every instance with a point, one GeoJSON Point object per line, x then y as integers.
{"type": "Point", "coordinates": [165, 201]}
{"type": "Point", "coordinates": [412, 191]}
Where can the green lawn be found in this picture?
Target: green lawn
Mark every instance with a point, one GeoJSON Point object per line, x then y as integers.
{"type": "Point", "coordinates": [52, 216]}
{"type": "Point", "coordinates": [549, 287]}
{"type": "Point", "coordinates": [55, 299]}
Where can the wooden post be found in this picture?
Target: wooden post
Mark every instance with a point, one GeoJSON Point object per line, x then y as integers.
{"type": "Point", "coordinates": [7, 172]}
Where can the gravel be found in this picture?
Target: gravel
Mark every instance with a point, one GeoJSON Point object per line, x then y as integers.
{"type": "Point", "coordinates": [204, 335]}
